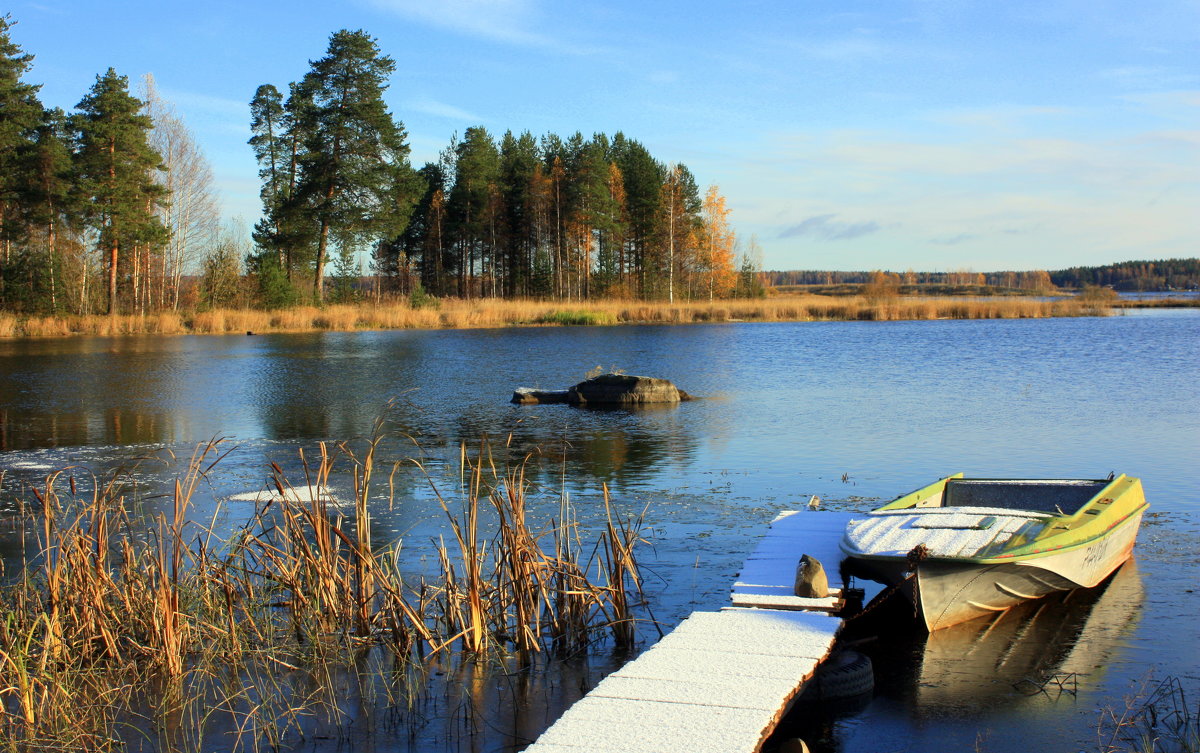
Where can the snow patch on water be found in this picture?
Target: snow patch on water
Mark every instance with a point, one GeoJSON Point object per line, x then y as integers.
{"type": "Point", "coordinates": [29, 465]}
{"type": "Point", "coordinates": [291, 493]}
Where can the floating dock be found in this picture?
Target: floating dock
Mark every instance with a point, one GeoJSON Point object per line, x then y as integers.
{"type": "Point", "coordinates": [720, 681]}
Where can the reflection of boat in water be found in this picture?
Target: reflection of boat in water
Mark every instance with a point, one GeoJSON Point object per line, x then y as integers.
{"type": "Point", "coordinates": [1050, 643]}
{"type": "Point", "coordinates": [978, 547]}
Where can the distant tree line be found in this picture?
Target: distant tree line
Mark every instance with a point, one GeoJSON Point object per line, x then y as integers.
{"type": "Point", "coordinates": [1169, 274]}
{"type": "Point", "coordinates": [102, 210]}
{"type": "Point", "coordinates": [571, 218]}
{"type": "Point", "coordinates": [1165, 274]}
{"type": "Point", "coordinates": [1037, 279]}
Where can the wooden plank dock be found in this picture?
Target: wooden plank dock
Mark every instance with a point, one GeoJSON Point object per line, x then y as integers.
{"type": "Point", "coordinates": [720, 681]}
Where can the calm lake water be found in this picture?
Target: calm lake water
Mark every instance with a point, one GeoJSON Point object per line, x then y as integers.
{"type": "Point", "coordinates": [854, 412]}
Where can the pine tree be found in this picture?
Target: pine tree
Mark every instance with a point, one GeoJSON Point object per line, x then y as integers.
{"type": "Point", "coordinates": [749, 282]}
{"type": "Point", "coordinates": [49, 210]}
{"type": "Point", "coordinates": [354, 178]}
{"type": "Point", "coordinates": [20, 115]}
{"type": "Point", "coordinates": [286, 229]}
{"type": "Point", "coordinates": [473, 211]}
{"type": "Point", "coordinates": [518, 163]}
{"type": "Point", "coordinates": [115, 164]}
{"type": "Point", "coordinates": [420, 248]}
{"type": "Point", "coordinates": [269, 142]}
{"type": "Point", "coordinates": [643, 177]}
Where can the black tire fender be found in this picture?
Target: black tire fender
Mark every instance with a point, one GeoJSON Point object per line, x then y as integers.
{"type": "Point", "coordinates": [844, 675]}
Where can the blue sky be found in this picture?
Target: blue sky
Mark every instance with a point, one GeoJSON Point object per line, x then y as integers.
{"type": "Point", "coordinates": [922, 134]}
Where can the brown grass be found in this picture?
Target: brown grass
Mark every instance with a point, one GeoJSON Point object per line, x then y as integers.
{"type": "Point", "coordinates": [491, 312]}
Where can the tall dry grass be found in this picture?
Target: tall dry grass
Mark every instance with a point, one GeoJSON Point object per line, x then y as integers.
{"type": "Point", "coordinates": [116, 629]}
{"type": "Point", "coordinates": [491, 312]}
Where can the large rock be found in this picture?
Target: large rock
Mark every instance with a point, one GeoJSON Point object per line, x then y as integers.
{"type": "Point", "coordinates": [623, 389]}
{"type": "Point", "coordinates": [607, 390]}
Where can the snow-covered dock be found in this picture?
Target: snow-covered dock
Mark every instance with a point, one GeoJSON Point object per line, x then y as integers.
{"type": "Point", "coordinates": [720, 681]}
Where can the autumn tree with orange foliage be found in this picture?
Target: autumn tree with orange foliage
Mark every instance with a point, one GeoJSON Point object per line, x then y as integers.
{"type": "Point", "coordinates": [882, 286]}
{"type": "Point", "coordinates": [718, 245]}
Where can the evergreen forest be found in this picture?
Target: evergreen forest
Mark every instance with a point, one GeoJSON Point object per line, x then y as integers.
{"type": "Point", "coordinates": [111, 208]}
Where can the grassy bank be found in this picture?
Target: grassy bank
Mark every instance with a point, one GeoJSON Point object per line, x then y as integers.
{"type": "Point", "coordinates": [490, 312]}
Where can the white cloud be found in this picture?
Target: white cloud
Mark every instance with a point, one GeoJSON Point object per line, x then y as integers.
{"type": "Point", "coordinates": [207, 103]}
{"type": "Point", "coordinates": [442, 110]}
{"type": "Point", "coordinates": [825, 227]}
{"type": "Point", "coordinates": [517, 22]}
{"type": "Point", "coordinates": [1148, 77]}
{"type": "Point", "coordinates": [997, 117]}
{"type": "Point", "coordinates": [847, 49]}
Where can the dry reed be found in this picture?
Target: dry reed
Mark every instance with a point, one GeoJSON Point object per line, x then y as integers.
{"type": "Point", "coordinates": [253, 634]}
{"type": "Point", "coordinates": [493, 312]}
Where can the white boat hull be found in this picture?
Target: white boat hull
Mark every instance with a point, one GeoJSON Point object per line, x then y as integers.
{"type": "Point", "coordinates": [946, 592]}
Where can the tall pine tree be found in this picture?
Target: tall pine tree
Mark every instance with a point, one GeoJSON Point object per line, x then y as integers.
{"type": "Point", "coordinates": [355, 181]}
{"type": "Point", "coordinates": [20, 115]}
{"type": "Point", "coordinates": [473, 213]}
{"type": "Point", "coordinates": [114, 166]}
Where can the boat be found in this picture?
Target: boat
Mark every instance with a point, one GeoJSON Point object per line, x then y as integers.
{"type": "Point", "coordinates": [964, 548]}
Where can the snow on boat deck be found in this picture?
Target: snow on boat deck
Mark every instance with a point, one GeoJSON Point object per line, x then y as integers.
{"type": "Point", "coordinates": [944, 531]}
{"type": "Point", "coordinates": [719, 681]}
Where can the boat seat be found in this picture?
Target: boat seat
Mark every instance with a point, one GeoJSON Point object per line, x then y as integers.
{"type": "Point", "coordinates": [1054, 497]}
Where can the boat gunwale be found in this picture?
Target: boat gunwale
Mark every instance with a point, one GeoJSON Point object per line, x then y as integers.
{"type": "Point", "coordinates": [1008, 558]}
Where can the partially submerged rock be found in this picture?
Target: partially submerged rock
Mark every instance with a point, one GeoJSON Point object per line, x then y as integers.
{"type": "Point", "coordinates": [623, 389]}
{"type": "Point", "coordinates": [530, 396]}
{"type": "Point", "coordinates": [607, 390]}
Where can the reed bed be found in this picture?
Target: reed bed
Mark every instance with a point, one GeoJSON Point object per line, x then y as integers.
{"type": "Point", "coordinates": [118, 632]}
{"type": "Point", "coordinates": [494, 312]}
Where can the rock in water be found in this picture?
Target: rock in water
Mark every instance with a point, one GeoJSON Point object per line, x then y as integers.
{"type": "Point", "coordinates": [811, 582]}
{"type": "Point", "coordinates": [530, 396]}
{"type": "Point", "coordinates": [622, 389]}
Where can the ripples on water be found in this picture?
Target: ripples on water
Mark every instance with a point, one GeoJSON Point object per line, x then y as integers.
{"type": "Point", "coordinates": [853, 412]}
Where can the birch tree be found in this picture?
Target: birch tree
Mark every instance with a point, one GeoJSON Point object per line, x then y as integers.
{"type": "Point", "coordinates": [191, 214]}
{"type": "Point", "coordinates": [718, 244]}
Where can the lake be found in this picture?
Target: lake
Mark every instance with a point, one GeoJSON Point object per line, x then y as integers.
{"type": "Point", "coordinates": [853, 412]}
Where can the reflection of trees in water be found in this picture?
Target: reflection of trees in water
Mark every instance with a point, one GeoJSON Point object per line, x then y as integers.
{"type": "Point", "coordinates": [615, 447]}
{"type": "Point", "coordinates": [75, 386]}
{"type": "Point", "coordinates": [334, 384]}
{"type": "Point", "coordinates": [102, 426]}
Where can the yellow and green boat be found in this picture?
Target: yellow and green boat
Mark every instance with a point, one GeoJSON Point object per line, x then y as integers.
{"type": "Point", "coordinates": [965, 548]}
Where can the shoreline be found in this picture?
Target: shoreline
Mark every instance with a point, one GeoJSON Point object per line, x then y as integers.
{"type": "Point", "coordinates": [490, 312]}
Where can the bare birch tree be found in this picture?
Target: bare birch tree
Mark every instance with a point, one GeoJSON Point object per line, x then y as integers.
{"type": "Point", "coordinates": [192, 214]}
